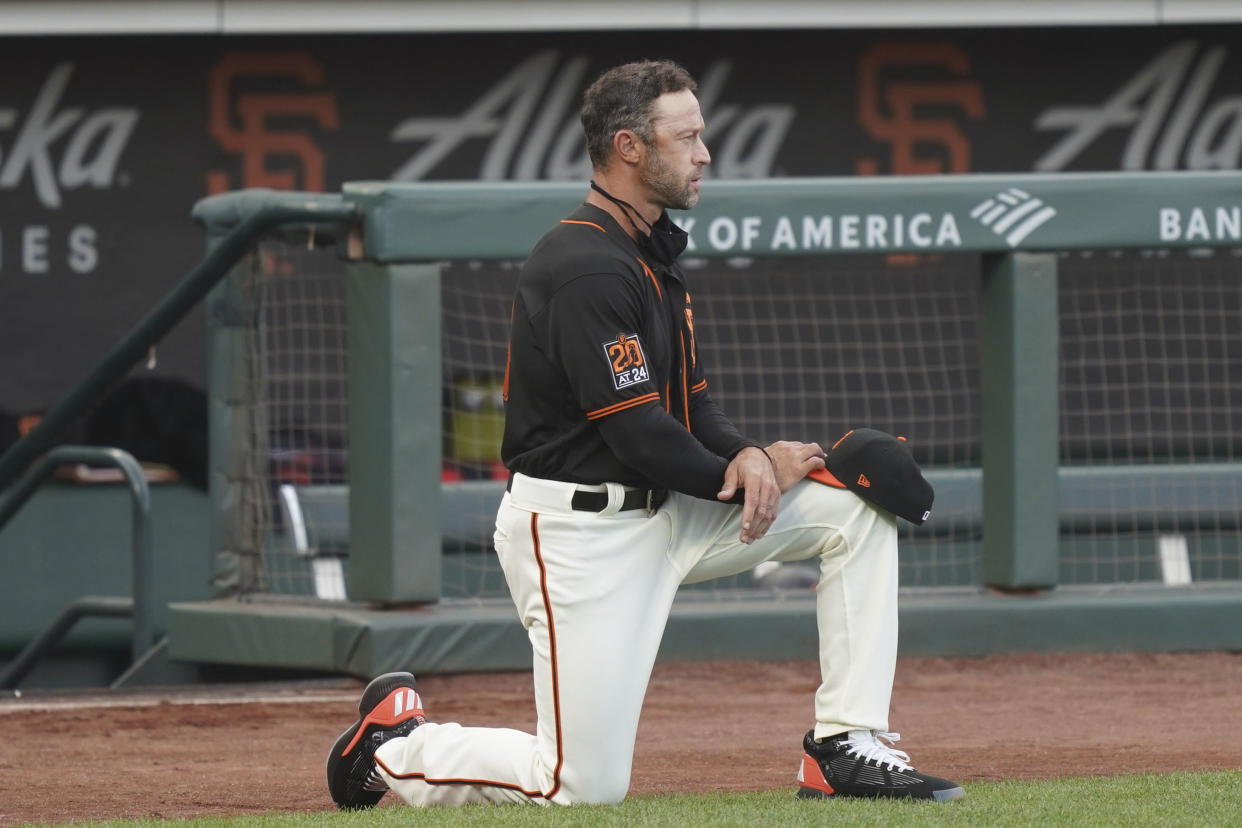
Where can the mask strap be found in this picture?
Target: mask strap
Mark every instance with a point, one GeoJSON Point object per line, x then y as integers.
{"type": "Point", "coordinates": [625, 206]}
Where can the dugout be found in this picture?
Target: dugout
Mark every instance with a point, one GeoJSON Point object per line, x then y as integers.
{"type": "Point", "coordinates": [1088, 483]}
{"type": "Point", "coordinates": [1078, 540]}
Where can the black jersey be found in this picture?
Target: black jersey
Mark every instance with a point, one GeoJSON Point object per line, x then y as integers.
{"type": "Point", "coordinates": [603, 382]}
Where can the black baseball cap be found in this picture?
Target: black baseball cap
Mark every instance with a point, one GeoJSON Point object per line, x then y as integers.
{"type": "Point", "coordinates": [880, 469]}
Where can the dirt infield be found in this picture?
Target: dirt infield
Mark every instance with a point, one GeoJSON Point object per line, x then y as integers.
{"type": "Point", "coordinates": [706, 727]}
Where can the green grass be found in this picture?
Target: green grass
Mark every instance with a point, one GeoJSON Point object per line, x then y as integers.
{"type": "Point", "coordinates": [1199, 799]}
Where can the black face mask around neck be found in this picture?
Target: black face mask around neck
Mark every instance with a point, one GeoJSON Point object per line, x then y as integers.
{"type": "Point", "coordinates": [665, 241]}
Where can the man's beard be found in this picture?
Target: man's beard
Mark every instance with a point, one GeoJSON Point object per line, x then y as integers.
{"type": "Point", "coordinates": [672, 191]}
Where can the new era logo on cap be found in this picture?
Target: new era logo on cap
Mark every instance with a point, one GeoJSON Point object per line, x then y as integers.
{"type": "Point", "coordinates": [879, 468]}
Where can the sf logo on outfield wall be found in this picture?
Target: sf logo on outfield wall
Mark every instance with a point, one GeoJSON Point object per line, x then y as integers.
{"type": "Point", "coordinates": [625, 355]}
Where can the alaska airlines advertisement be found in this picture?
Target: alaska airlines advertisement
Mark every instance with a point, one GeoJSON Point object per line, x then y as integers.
{"type": "Point", "coordinates": [106, 143]}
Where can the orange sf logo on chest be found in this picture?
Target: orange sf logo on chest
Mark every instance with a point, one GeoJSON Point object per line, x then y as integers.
{"type": "Point", "coordinates": [690, 326]}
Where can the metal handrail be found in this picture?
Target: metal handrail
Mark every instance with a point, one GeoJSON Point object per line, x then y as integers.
{"type": "Point", "coordinates": [139, 605]}
{"type": "Point", "coordinates": [92, 606]}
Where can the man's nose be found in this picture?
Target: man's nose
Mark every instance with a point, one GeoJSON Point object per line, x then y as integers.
{"type": "Point", "coordinates": [702, 156]}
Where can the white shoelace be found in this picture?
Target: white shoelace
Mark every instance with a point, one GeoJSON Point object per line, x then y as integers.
{"type": "Point", "coordinates": [867, 744]}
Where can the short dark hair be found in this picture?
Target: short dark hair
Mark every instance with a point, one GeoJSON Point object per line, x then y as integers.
{"type": "Point", "coordinates": [622, 97]}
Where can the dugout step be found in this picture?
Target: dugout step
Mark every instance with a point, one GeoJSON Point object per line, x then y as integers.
{"type": "Point", "coordinates": [483, 636]}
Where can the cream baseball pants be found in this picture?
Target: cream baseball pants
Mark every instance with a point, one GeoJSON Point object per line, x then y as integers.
{"type": "Point", "coordinates": [594, 591]}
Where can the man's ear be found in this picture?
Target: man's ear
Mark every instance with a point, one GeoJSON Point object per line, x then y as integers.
{"type": "Point", "coordinates": [628, 146]}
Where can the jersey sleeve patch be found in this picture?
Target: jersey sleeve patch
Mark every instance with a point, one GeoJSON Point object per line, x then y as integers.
{"type": "Point", "coordinates": [627, 361]}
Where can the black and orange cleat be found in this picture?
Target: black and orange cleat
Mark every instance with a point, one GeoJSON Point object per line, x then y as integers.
{"type": "Point", "coordinates": [859, 764]}
{"type": "Point", "coordinates": [390, 707]}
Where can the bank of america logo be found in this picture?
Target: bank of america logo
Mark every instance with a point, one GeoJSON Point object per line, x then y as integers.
{"type": "Point", "coordinates": [1013, 214]}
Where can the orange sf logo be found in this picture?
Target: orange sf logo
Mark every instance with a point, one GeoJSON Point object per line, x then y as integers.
{"type": "Point", "coordinates": [890, 109]}
{"type": "Point", "coordinates": [694, 357]}
{"type": "Point", "coordinates": [239, 122]}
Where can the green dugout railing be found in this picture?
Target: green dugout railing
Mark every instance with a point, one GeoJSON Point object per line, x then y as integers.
{"type": "Point", "coordinates": [999, 214]}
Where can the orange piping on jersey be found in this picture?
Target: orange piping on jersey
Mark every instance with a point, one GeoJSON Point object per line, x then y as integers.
{"type": "Point", "coordinates": [651, 275]}
{"type": "Point", "coordinates": [587, 223]}
{"type": "Point", "coordinates": [621, 406]}
{"type": "Point", "coordinates": [702, 386]}
{"type": "Point", "coordinates": [504, 393]}
{"type": "Point", "coordinates": [685, 397]}
{"type": "Point", "coordinates": [556, 700]}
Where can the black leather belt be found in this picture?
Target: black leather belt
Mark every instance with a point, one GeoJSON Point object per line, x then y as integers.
{"type": "Point", "coordinates": [634, 499]}
{"type": "Point", "coordinates": [598, 501]}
